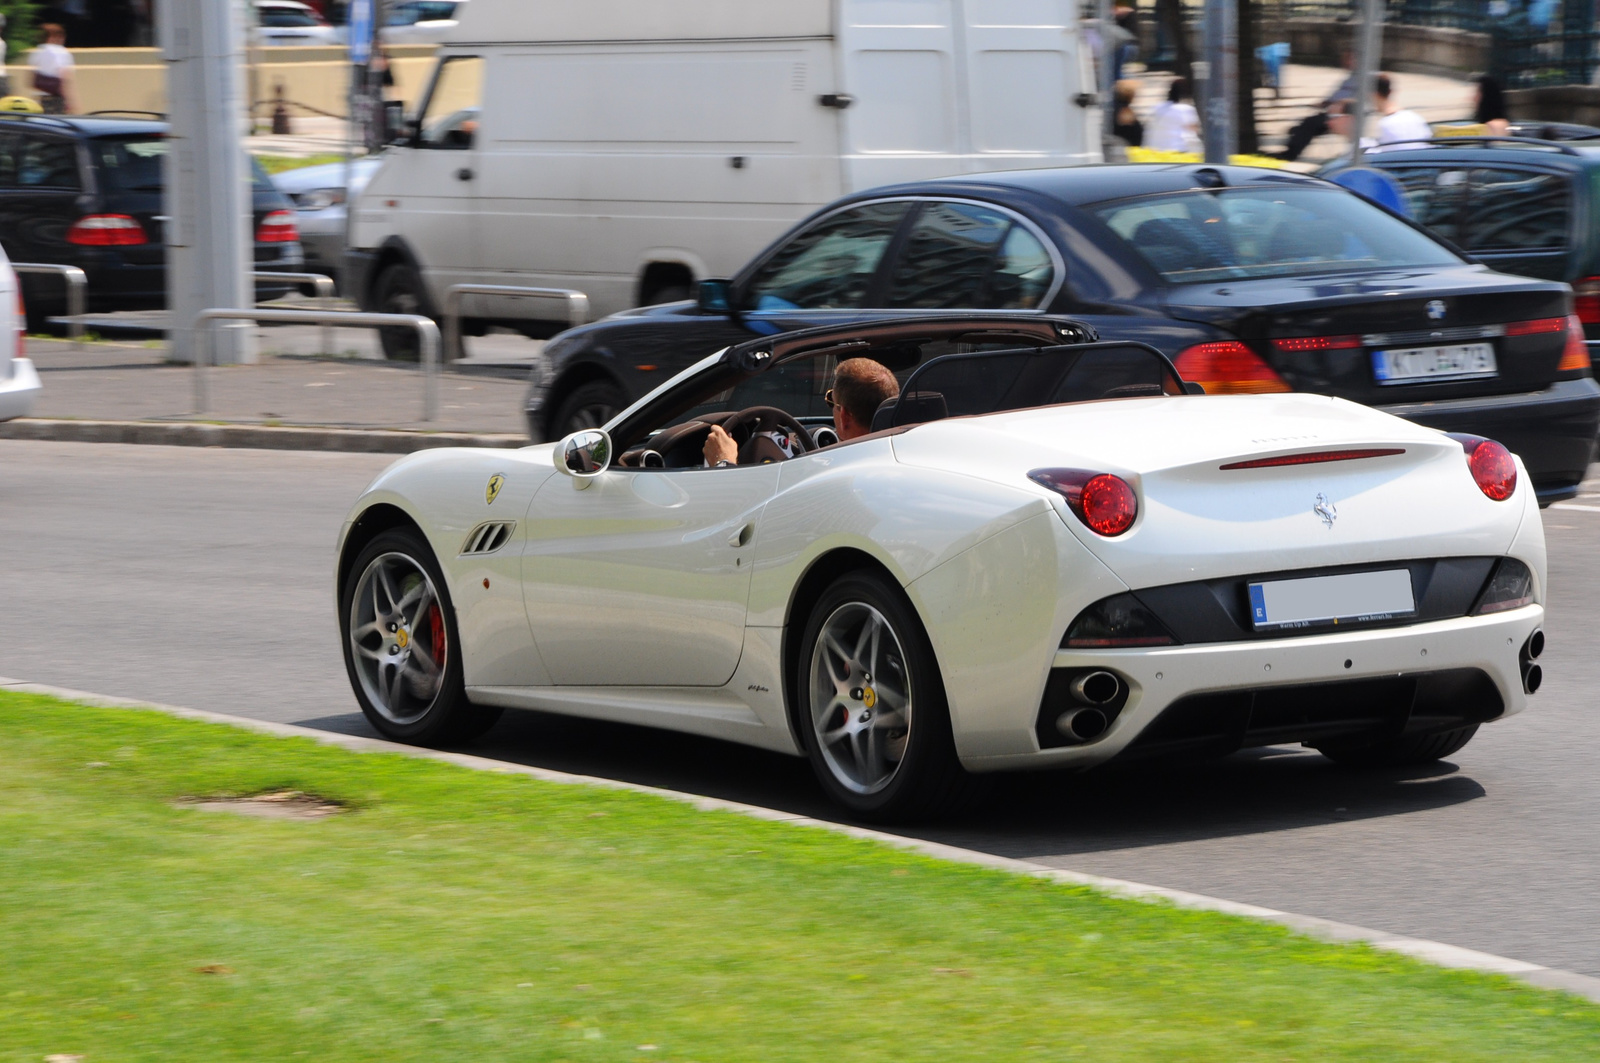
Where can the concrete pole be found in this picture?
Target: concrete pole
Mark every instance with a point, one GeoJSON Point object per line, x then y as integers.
{"type": "Point", "coordinates": [209, 242]}
{"type": "Point", "coordinates": [1222, 79]}
{"type": "Point", "coordinates": [1105, 81]}
{"type": "Point", "coordinates": [1369, 57]}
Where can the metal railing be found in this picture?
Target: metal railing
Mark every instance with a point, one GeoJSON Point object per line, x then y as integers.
{"type": "Point", "coordinates": [77, 293]}
{"type": "Point", "coordinates": [427, 337]}
{"type": "Point", "coordinates": [324, 289]}
{"type": "Point", "coordinates": [577, 307]}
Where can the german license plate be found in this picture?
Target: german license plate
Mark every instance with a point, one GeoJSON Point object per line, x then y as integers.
{"type": "Point", "coordinates": [1458, 361]}
{"type": "Point", "coordinates": [1352, 597]}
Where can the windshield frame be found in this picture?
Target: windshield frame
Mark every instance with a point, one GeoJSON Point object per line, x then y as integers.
{"type": "Point", "coordinates": [1450, 255]}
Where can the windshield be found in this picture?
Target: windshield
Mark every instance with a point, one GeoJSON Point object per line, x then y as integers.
{"type": "Point", "coordinates": [1238, 233]}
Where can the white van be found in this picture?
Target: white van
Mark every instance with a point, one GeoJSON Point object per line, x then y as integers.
{"type": "Point", "coordinates": [627, 148]}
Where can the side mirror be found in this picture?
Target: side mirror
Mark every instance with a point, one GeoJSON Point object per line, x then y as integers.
{"type": "Point", "coordinates": [584, 455]}
{"type": "Point", "coordinates": [715, 297]}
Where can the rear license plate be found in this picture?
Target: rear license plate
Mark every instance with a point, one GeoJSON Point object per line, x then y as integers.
{"type": "Point", "coordinates": [1458, 361]}
{"type": "Point", "coordinates": [1355, 596]}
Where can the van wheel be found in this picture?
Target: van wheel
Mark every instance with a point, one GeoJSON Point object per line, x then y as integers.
{"type": "Point", "coordinates": [399, 291]}
{"type": "Point", "coordinates": [589, 406]}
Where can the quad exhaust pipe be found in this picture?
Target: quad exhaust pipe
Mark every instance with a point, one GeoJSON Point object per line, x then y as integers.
{"type": "Point", "coordinates": [1082, 724]}
{"type": "Point", "coordinates": [1532, 674]}
{"type": "Point", "coordinates": [1096, 688]}
{"type": "Point", "coordinates": [1092, 690]}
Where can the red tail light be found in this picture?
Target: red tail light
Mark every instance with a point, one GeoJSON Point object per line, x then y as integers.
{"type": "Point", "coordinates": [1540, 327]}
{"type": "Point", "coordinates": [1228, 368]}
{"type": "Point", "coordinates": [279, 227]}
{"type": "Point", "coordinates": [1586, 300]}
{"type": "Point", "coordinates": [1105, 503]}
{"type": "Point", "coordinates": [1314, 458]}
{"type": "Point", "coordinates": [1575, 356]}
{"type": "Point", "coordinates": [1494, 470]}
{"type": "Point", "coordinates": [106, 230]}
{"type": "Point", "coordinates": [1297, 344]}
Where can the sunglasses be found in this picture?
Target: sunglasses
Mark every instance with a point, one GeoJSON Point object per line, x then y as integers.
{"type": "Point", "coordinates": [827, 396]}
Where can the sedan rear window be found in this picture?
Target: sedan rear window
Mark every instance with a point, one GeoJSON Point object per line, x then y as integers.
{"type": "Point", "coordinates": [1238, 233]}
{"type": "Point", "coordinates": [134, 164]}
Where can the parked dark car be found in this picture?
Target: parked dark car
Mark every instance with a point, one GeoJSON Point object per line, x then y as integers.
{"type": "Point", "coordinates": [87, 192]}
{"type": "Point", "coordinates": [1517, 204]}
{"type": "Point", "coordinates": [1251, 280]}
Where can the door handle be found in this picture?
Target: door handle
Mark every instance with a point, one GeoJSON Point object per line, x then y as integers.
{"type": "Point", "coordinates": [742, 536]}
{"type": "Point", "coordinates": [464, 174]}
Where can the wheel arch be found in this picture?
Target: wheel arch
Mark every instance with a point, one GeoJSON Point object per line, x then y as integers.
{"type": "Point", "coordinates": [665, 271]}
{"type": "Point", "coordinates": [373, 522]}
{"type": "Point", "coordinates": [823, 571]}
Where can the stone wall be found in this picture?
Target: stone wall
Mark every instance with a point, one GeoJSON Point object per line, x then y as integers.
{"type": "Point", "coordinates": [1556, 103]}
{"type": "Point", "coordinates": [1406, 49]}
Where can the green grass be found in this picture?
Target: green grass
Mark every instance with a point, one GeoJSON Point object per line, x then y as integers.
{"type": "Point", "coordinates": [458, 915]}
{"type": "Point", "coordinates": [279, 163]}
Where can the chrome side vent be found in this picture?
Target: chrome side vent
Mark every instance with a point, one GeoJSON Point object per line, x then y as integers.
{"type": "Point", "coordinates": [488, 537]}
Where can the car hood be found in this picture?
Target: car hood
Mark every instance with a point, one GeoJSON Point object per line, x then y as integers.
{"type": "Point", "coordinates": [328, 175]}
{"type": "Point", "coordinates": [1199, 521]}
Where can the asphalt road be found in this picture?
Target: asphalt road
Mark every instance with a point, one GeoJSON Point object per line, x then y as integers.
{"type": "Point", "coordinates": [204, 578]}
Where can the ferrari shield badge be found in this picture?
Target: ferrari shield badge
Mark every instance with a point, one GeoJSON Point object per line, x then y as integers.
{"type": "Point", "coordinates": [492, 492]}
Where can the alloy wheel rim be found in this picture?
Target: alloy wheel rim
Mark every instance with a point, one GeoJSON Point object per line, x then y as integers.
{"type": "Point", "coordinates": [398, 638]}
{"type": "Point", "coordinates": [860, 698]}
{"type": "Point", "coordinates": [594, 415]}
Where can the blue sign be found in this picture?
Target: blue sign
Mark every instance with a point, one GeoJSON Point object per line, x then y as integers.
{"type": "Point", "coordinates": [360, 31]}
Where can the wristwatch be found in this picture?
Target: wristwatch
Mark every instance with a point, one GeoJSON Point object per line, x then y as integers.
{"type": "Point", "coordinates": [723, 464]}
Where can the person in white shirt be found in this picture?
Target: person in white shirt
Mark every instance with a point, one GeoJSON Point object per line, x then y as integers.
{"type": "Point", "coordinates": [52, 71]}
{"type": "Point", "coordinates": [1397, 126]}
{"type": "Point", "coordinates": [1175, 124]}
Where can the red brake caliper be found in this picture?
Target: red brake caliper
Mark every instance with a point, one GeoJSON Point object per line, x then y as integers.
{"type": "Point", "coordinates": [436, 633]}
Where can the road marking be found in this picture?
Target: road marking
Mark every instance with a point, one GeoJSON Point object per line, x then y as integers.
{"type": "Point", "coordinates": [1574, 505]}
{"type": "Point", "coordinates": [1435, 952]}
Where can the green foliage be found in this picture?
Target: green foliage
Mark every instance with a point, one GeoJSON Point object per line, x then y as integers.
{"type": "Point", "coordinates": [21, 32]}
{"type": "Point", "coordinates": [461, 915]}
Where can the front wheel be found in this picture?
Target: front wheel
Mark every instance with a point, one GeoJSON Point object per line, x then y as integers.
{"type": "Point", "coordinates": [876, 725]}
{"type": "Point", "coordinates": [1397, 752]}
{"type": "Point", "coordinates": [399, 291]}
{"type": "Point", "coordinates": [401, 645]}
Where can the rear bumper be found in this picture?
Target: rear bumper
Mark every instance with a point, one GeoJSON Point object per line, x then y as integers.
{"type": "Point", "coordinates": [18, 394]}
{"type": "Point", "coordinates": [1159, 679]}
{"type": "Point", "coordinates": [1553, 430]}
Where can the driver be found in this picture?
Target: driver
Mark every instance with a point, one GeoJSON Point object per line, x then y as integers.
{"type": "Point", "coordinates": [860, 385]}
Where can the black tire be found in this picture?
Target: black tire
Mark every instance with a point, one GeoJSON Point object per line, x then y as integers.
{"type": "Point", "coordinates": [399, 290]}
{"type": "Point", "coordinates": [448, 717]}
{"type": "Point", "coordinates": [929, 780]}
{"type": "Point", "coordinates": [589, 406]}
{"type": "Point", "coordinates": [1397, 752]}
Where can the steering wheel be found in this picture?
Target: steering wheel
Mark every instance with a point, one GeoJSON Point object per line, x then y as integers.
{"type": "Point", "coordinates": [747, 425]}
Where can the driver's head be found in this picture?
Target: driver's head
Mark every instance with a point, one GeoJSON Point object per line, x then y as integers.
{"type": "Point", "coordinates": [859, 387]}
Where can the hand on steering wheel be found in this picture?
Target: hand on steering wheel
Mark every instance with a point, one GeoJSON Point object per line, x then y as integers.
{"type": "Point", "coordinates": [720, 447]}
{"type": "Point", "coordinates": [745, 429]}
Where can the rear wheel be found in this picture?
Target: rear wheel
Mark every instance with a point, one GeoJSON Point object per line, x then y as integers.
{"type": "Point", "coordinates": [875, 722]}
{"type": "Point", "coordinates": [1407, 749]}
{"type": "Point", "coordinates": [401, 646]}
{"type": "Point", "coordinates": [589, 406]}
{"type": "Point", "coordinates": [399, 291]}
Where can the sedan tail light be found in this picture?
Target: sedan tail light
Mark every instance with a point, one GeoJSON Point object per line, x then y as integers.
{"type": "Point", "coordinates": [1575, 355]}
{"type": "Point", "coordinates": [1228, 367]}
{"type": "Point", "coordinates": [1493, 468]}
{"type": "Point", "coordinates": [107, 230]}
{"type": "Point", "coordinates": [1586, 300]}
{"type": "Point", "coordinates": [279, 227]}
{"type": "Point", "coordinates": [1105, 503]}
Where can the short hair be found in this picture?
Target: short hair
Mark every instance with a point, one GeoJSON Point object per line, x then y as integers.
{"type": "Point", "coordinates": [1125, 92]}
{"type": "Point", "coordinates": [1382, 86]}
{"type": "Point", "coordinates": [52, 29]}
{"type": "Point", "coordinates": [860, 385]}
{"type": "Point", "coordinates": [1178, 91]}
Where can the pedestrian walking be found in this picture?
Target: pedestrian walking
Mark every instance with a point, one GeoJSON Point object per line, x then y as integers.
{"type": "Point", "coordinates": [1125, 123]}
{"type": "Point", "coordinates": [1490, 110]}
{"type": "Point", "coordinates": [1315, 125]}
{"type": "Point", "coordinates": [52, 71]}
{"type": "Point", "coordinates": [1174, 124]}
{"type": "Point", "coordinates": [1396, 125]}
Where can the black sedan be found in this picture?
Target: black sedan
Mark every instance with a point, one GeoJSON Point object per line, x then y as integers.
{"type": "Point", "coordinates": [88, 192]}
{"type": "Point", "coordinates": [1251, 280]}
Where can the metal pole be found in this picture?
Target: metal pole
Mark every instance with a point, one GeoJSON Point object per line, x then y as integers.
{"type": "Point", "coordinates": [577, 308]}
{"type": "Point", "coordinates": [1222, 78]}
{"type": "Point", "coordinates": [1369, 56]}
{"type": "Point", "coordinates": [209, 248]}
{"type": "Point", "coordinates": [202, 357]}
{"type": "Point", "coordinates": [77, 286]}
{"type": "Point", "coordinates": [322, 283]}
{"type": "Point", "coordinates": [1107, 82]}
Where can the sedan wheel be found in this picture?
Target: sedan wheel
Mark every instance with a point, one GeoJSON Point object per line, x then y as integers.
{"type": "Point", "coordinates": [401, 646]}
{"type": "Point", "coordinates": [874, 722]}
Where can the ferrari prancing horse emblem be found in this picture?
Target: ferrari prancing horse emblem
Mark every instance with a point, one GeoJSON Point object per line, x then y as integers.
{"type": "Point", "coordinates": [491, 493]}
{"type": "Point", "coordinates": [1325, 509]}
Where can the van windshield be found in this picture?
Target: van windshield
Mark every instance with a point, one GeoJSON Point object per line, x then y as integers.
{"type": "Point", "coordinates": [1238, 233]}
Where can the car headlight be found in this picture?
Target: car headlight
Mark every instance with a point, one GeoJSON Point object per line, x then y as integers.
{"type": "Point", "coordinates": [1511, 587]}
{"type": "Point", "coordinates": [319, 198]}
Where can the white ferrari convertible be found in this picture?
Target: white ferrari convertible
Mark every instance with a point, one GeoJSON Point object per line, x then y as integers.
{"type": "Point", "coordinates": [1046, 552]}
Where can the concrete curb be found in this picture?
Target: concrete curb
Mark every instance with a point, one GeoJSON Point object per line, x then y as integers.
{"type": "Point", "coordinates": [1434, 952]}
{"type": "Point", "coordinates": [257, 437]}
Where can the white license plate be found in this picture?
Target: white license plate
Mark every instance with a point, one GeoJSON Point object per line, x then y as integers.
{"type": "Point", "coordinates": [1458, 361]}
{"type": "Point", "coordinates": [1355, 596]}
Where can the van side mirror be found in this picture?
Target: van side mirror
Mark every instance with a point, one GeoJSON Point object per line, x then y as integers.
{"type": "Point", "coordinates": [584, 455]}
{"type": "Point", "coordinates": [715, 297]}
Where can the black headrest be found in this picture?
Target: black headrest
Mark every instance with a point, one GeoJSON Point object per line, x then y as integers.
{"type": "Point", "coordinates": [883, 416]}
{"type": "Point", "coordinates": [918, 407]}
